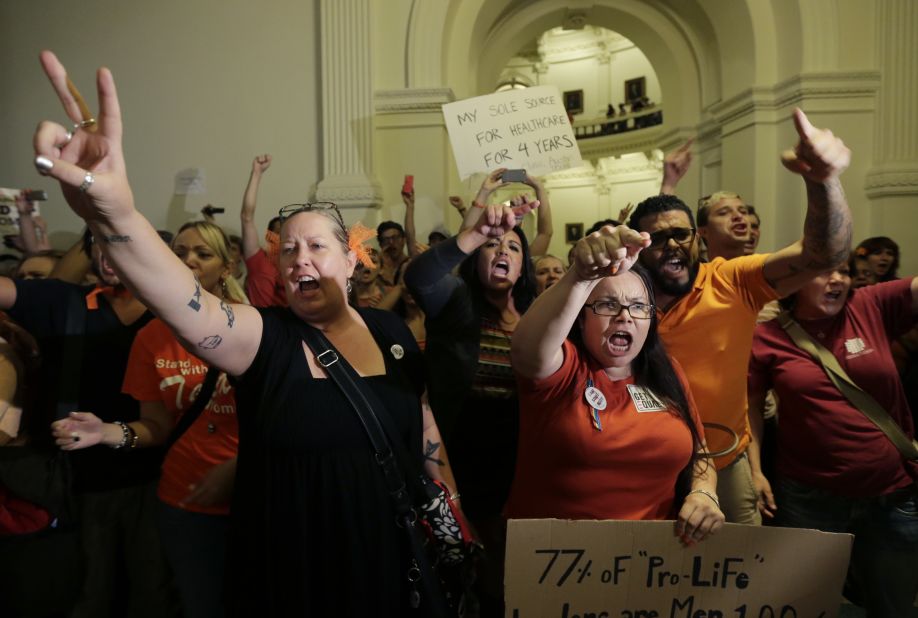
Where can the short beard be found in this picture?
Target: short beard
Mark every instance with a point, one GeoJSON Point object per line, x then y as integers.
{"type": "Point", "coordinates": [673, 288]}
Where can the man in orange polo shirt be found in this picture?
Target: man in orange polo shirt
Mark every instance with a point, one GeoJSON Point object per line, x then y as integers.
{"type": "Point", "coordinates": [708, 310]}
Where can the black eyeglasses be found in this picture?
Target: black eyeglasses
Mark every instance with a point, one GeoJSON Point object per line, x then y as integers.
{"type": "Point", "coordinates": [292, 209]}
{"type": "Point", "coordinates": [611, 308]}
{"type": "Point", "coordinates": [682, 236]}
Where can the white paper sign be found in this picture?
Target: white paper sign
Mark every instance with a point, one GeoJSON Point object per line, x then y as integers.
{"type": "Point", "coordinates": [517, 129]}
{"type": "Point", "coordinates": [190, 182]}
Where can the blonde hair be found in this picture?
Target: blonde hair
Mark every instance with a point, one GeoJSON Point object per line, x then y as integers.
{"type": "Point", "coordinates": [215, 238]}
{"type": "Point", "coordinates": [708, 201]}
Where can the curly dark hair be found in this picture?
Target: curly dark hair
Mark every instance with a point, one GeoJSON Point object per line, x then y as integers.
{"type": "Point", "coordinates": [656, 204]}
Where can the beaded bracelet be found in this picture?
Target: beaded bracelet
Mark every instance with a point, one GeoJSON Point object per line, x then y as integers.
{"type": "Point", "coordinates": [454, 497]}
{"type": "Point", "coordinates": [125, 435]}
{"type": "Point", "coordinates": [706, 493]}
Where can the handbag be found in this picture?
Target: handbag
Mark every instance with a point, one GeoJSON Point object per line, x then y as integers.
{"type": "Point", "coordinates": [856, 396]}
{"type": "Point", "coordinates": [436, 523]}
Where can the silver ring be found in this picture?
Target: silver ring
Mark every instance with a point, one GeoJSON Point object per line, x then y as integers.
{"type": "Point", "coordinates": [87, 182]}
{"type": "Point", "coordinates": [69, 136]}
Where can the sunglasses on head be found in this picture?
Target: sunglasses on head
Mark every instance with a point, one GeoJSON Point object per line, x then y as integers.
{"type": "Point", "coordinates": [294, 209]}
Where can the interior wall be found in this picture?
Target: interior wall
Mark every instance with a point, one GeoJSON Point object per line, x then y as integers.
{"type": "Point", "coordinates": [577, 60]}
{"type": "Point", "coordinates": [206, 84]}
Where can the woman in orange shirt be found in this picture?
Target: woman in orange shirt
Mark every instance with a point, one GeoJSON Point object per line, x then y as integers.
{"type": "Point", "coordinates": [199, 469]}
{"type": "Point", "coordinates": [608, 428]}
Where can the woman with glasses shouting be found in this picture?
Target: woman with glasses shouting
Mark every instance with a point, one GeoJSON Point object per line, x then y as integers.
{"type": "Point", "coordinates": [608, 427]}
{"type": "Point", "coordinates": [314, 531]}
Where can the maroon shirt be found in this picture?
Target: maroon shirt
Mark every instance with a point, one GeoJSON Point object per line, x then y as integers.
{"type": "Point", "coordinates": [823, 441]}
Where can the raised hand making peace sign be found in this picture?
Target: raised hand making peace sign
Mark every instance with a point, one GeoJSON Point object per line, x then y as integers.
{"type": "Point", "coordinates": [88, 159]}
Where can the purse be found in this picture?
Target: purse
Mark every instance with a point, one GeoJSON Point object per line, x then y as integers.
{"type": "Point", "coordinates": [856, 396]}
{"type": "Point", "coordinates": [435, 524]}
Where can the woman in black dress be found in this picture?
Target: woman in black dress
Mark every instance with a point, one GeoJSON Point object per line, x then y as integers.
{"type": "Point", "coordinates": [314, 527]}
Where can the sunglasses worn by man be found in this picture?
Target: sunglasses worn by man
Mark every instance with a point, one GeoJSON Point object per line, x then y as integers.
{"type": "Point", "coordinates": [681, 235]}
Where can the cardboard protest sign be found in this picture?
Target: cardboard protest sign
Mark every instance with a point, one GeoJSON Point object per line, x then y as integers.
{"type": "Point", "coordinates": [9, 214]}
{"type": "Point", "coordinates": [517, 129]}
{"type": "Point", "coordinates": [639, 569]}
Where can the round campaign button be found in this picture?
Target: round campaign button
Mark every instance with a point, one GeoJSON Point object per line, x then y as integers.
{"type": "Point", "coordinates": [397, 351]}
{"type": "Point", "coordinates": [595, 398]}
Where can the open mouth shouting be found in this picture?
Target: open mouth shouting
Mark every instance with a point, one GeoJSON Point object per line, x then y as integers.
{"type": "Point", "coordinates": [307, 283]}
{"type": "Point", "coordinates": [740, 229]}
{"type": "Point", "coordinates": [620, 341]}
{"type": "Point", "coordinates": [501, 268]}
{"type": "Point", "coordinates": [674, 265]}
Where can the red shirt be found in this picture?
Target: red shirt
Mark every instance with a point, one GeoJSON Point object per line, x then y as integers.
{"type": "Point", "coordinates": [567, 469]}
{"type": "Point", "coordinates": [262, 283]}
{"type": "Point", "coordinates": [20, 517]}
{"type": "Point", "coordinates": [823, 441]}
{"type": "Point", "coordinates": [159, 369]}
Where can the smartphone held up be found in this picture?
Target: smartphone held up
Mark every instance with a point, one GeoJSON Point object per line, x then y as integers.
{"type": "Point", "coordinates": [514, 176]}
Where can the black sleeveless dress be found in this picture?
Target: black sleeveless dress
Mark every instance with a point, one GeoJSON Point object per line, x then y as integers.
{"type": "Point", "coordinates": [314, 530]}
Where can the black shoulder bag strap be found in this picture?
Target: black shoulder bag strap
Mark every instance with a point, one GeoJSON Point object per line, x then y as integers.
{"type": "Point", "coordinates": [68, 396]}
{"type": "Point", "coordinates": [192, 413]}
{"type": "Point", "coordinates": [344, 376]}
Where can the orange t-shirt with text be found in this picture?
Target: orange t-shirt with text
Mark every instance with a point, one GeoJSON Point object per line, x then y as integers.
{"type": "Point", "coordinates": [160, 369]}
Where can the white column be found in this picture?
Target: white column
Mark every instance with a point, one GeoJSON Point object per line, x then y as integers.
{"type": "Point", "coordinates": [347, 105]}
{"type": "Point", "coordinates": [892, 183]}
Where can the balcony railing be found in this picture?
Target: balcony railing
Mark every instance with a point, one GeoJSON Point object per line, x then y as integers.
{"type": "Point", "coordinates": [633, 121]}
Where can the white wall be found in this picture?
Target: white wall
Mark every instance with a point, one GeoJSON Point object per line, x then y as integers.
{"type": "Point", "coordinates": [576, 61]}
{"type": "Point", "coordinates": [204, 84]}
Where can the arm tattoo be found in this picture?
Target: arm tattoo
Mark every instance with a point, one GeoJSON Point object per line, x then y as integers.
{"type": "Point", "coordinates": [430, 450]}
{"type": "Point", "coordinates": [195, 302]}
{"type": "Point", "coordinates": [116, 238]}
{"type": "Point", "coordinates": [827, 229]}
{"type": "Point", "coordinates": [230, 316]}
{"type": "Point", "coordinates": [210, 343]}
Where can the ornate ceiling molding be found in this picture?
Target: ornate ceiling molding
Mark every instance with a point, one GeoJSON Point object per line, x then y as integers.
{"type": "Point", "coordinates": [892, 180]}
{"type": "Point", "coordinates": [412, 100]}
{"type": "Point", "coordinates": [841, 91]}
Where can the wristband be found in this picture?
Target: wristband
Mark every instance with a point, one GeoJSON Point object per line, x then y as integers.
{"type": "Point", "coordinates": [125, 435]}
{"type": "Point", "coordinates": [706, 493]}
{"type": "Point", "coordinates": [475, 204]}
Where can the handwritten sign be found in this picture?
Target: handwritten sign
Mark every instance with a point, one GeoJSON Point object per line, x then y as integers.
{"type": "Point", "coordinates": [639, 569]}
{"type": "Point", "coordinates": [517, 129]}
{"type": "Point", "coordinates": [9, 214]}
